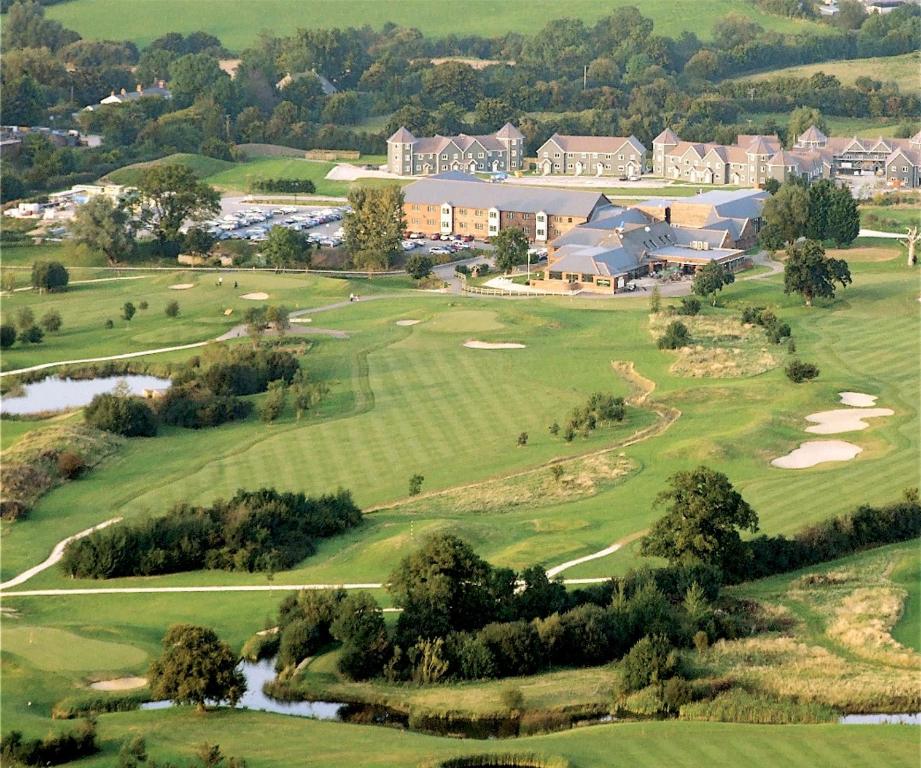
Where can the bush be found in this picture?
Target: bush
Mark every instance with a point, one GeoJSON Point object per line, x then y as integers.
{"type": "Point", "coordinates": [91, 704]}
{"type": "Point", "coordinates": [415, 484]}
{"type": "Point", "coordinates": [263, 645]}
{"type": "Point", "coordinates": [651, 660]}
{"type": "Point", "coordinates": [195, 407]}
{"type": "Point", "coordinates": [676, 693]}
{"type": "Point", "coordinates": [512, 699]}
{"type": "Point", "coordinates": [31, 335]}
{"type": "Point", "coordinates": [52, 750]}
{"type": "Point", "coordinates": [522, 439]}
{"type": "Point", "coordinates": [49, 276]}
{"type": "Point", "coordinates": [51, 321]}
{"type": "Point", "coordinates": [689, 306]}
{"type": "Point", "coordinates": [676, 336]}
{"type": "Point", "coordinates": [798, 371]}
{"type": "Point", "coordinates": [172, 309]}
{"type": "Point", "coordinates": [109, 324]}
{"type": "Point", "coordinates": [7, 336]}
{"type": "Point", "coordinates": [128, 416]}
{"type": "Point", "coordinates": [143, 305]}
{"type": "Point", "coordinates": [600, 410]}
{"type": "Point", "coordinates": [419, 266]}
{"type": "Point", "coordinates": [70, 465]}
{"type": "Point", "coordinates": [740, 706]}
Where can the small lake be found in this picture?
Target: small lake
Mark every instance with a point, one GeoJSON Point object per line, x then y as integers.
{"type": "Point", "coordinates": [902, 718]}
{"type": "Point", "coordinates": [57, 394]}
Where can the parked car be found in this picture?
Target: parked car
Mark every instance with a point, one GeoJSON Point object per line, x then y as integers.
{"type": "Point", "coordinates": [439, 251]}
{"type": "Point", "coordinates": [435, 236]}
{"type": "Point", "coordinates": [633, 178]}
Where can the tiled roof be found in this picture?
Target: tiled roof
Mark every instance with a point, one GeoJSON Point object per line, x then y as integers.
{"type": "Point", "coordinates": [812, 135]}
{"type": "Point", "coordinates": [668, 136]}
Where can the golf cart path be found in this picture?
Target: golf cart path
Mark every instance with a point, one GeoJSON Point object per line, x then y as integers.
{"type": "Point", "coordinates": [56, 554]}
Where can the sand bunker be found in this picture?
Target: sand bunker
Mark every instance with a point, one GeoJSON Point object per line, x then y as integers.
{"type": "Point", "coordinates": [491, 345]}
{"type": "Point", "coordinates": [408, 322]}
{"type": "Point", "coordinates": [816, 452]}
{"type": "Point", "coordinates": [257, 296]}
{"type": "Point", "coordinates": [119, 684]}
{"type": "Point", "coordinates": [182, 286]}
{"type": "Point", "coordinates": [858, 399]}
{"type": "Point", "coordinates": [301, 320]}
{"type": "Point", "coordinates": [843, 420]}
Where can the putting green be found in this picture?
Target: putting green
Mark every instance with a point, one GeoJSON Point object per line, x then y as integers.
{"type": "Point", "coordinates": [54, 649]}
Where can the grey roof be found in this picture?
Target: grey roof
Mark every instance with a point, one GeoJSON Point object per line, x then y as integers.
{"type": "Point", "coordinates": [470, 192]}
{"type": "Point", "coordinates": [595, 144]}
{"type": "Point", "coordinates": [594, 260]}
{"type": "Point", "coordinates": [727, 203]}
{"type": "Point", "coordinates": [402, 136]}
{"type": "Point", "coordinates": [681, 253]}
{"type": "Point", "coordinates": [812, 135]}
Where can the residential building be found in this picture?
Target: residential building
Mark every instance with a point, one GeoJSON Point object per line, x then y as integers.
{"type": "Point", "coordinates": [896, 160]}
{"type": "Point", "coordinates": [156, 91]}
{"type": "Point", "coordinates": [745, 163]}
{"type": "Point", "coordinates": [592, 156]}
{"type": "Point", "coordinates": [456, 203]}
{"type": "Point", "coordinates": [499, 151]}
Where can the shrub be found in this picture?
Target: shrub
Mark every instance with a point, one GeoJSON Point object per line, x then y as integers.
{"type": "Point", "coordinates": [90, 704]}
{"type": "Point", "coordinates": [689, 306]}
{"type": "Point", "coordinates": [600, 410]}
{"type": "Point", "coordinates": [128, 311]}
{"type": "Point", "coordinates": [512, 699]}
{"type": "Point", "coordinates": [419, 266]}
{"type": "Point", "coordinates": [70, 465]}
{"type": "Point", "coordinates": [109, 324]}
{"type": "Point", "coordinates": [676, 693]}
{"type": "Point", "coordinates": [51, 321]}
{"type": "Point", "coordinates": [262, 645]}
{"type": "Point", "coordinates": [143, 305]}
{"type": "Point", "coordinates": [676, 336]}
{"type": "Point", "coordinates": [49, 276]}
{"type": "Point", "coordinates": [415, 484]}
{"type": "Point", "coordinates": [7, 336]}
{"type": "Point", "coordinates": [740, 706]}
{"type": "Point", "coordinates": [128, 416]}
{"type": "Point", "coordinates": [500, 760]}
{"type": "Point", "coordinates": [522, 439]}
{"type": "Point", "coordinates": [651, 660]}
{"type": "Point", "coordinates": [172, 309]}
{"type": "Point", "coordinates": [52, 750]}
{"type": "Point", "coordinates": [554, 429]}
{"type": "Point", "coordinates": [274, 403]}
{"type": "Point", "coordinates": [798, 371]}
{"type": "Point", "coordinates": [31, 335]}
{"type": "Point", "coordinates": [195, 407]}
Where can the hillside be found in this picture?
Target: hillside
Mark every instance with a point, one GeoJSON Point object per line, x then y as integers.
{"type": "Point", "coordinates": [201, 165]}
{"type": "Point", "coordinates": [902, 70]}
{"type": "Point", "coordinates": [238, 28]}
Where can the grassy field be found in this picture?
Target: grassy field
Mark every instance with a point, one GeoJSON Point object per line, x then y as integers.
{"type": "Point", "coordinates": [902, 70]}
{"type": "Point", "coordinates": [890, 218]}
{"type": "Point", "coordinates": [238, 24]}
{"type": "Point", "coordinates": [413, 399]}
{"type": "Point", "coordinates": [865, 127]}
{"type": "Point", "coordinates": [203, 166]}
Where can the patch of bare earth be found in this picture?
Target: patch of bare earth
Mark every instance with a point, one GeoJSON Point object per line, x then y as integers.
{"type": "Point", "coordinates": [721, 347]}
{"type": "Point", "coordinates": [119, 684]}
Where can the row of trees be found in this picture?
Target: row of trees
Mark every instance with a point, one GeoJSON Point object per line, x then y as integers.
{"type": "Point", "coordinates": [820, 211]}
{"type": "Point", "coordinates": [260, 530]}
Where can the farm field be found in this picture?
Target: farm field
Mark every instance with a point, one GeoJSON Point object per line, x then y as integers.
{"type": "Point", "coordinates": [902, 70]}
{"type": "Point", "coordinates": [413, 399]}
{"type": "Point", "coordinates": [148, 19]}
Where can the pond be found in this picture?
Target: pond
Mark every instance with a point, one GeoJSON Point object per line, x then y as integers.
{"type": "Point", "coordinates": [57, 394]}
{"type": "Point", "coordinates": [901, 718]}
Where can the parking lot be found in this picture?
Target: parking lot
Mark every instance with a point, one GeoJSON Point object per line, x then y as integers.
{"type": "Point", "coordinates": [252, 222]}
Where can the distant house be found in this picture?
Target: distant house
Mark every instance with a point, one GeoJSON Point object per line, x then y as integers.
{"type": "Point", "coordinates": [896, 160]}
{"type": "Point", "coordinates": [325, 85]}
{"type": "Point", "coordinates": [592, 156]}
{"type": "Point", "coordinates": [456, 203]}
{"type": "Point", "coordinates": [156, 91]}
{"type": "Point", "coordinates": [499, 151]}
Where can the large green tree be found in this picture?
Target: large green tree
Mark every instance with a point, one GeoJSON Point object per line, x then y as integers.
{"type": "Point", "coordinates": [452, 81]}
{"type": "Point", "coordinates": [785, 216]}
{"type": "Point", "coordinates": [810, 273]}
{"type": "Point", "coordinates": [105, 226]}
{"type": "Point", "coordinates": [511, 248]}
{"type": "Point", "coordinates": [801, 119]}
{"type": "Point", "coordinates": [374, 227]}
{"type": "Point", "coordinates": [172, 195]}
{"type": "Point", "coordinates": [286, 248]}
{"type": "Point", "coordinates": [710, 279]}
{"type": "Point", "coordinates": [196, 667]}
{"type": "Point", "coordinates": [843, 217]}
{"type": "Point", "coordinates": [703, 517]}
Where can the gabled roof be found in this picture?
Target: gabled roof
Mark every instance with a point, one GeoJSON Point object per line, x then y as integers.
{"type": "Point", "coordinates": [668, 136]}
{"type": "Point", "coordinates": [595, 144]}
{"type": "Point", "coordinates": [916, 139]}
{"type": "Point", "coordinates": [812, 135]}
{"type": "Point", "coordinates": [402, 136]}
{"type": "Point", "coordinates": [759, 146]}
{"type": "Point", "coordinates": [509, 131]}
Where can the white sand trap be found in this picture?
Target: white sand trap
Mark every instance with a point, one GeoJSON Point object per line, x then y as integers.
{"type": "Point", "coordinates": [473, 344]}
{"type": "Point", "coordinates": [816, 452]}
{"type": "Point", "coordinates": [257, 296]}
{"type": "Point", "coordinates": [119, 684]}
{"type": "Point", "coordinates": [182, 286]}
{"type": "Point", "coordinates": [408, 322]}
{"type": "Point", "coordinates": [843, 420]}
{"type": "Point", "coordinates": [301, 320]}
{"type": "Point", "coordinates": [858, 399]}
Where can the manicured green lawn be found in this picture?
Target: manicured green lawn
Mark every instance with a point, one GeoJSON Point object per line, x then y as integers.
{"type": "Point", "coordinates": [902, 70]}
{"type": "Point", "coordinates": [238, 24]}
{"type": "Point", "coordinates": [203, 166]}
{"type": "Point", "coordinates": [907, 574]}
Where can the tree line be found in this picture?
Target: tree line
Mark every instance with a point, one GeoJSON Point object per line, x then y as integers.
{"type": "Point", "coordinates": [262, 530]}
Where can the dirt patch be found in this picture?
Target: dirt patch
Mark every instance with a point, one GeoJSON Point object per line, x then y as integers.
{"type": "Point", "coordinates": [723, 347]}
{"type": "Point", "coordinates": [843, 420]}
{"type": "Point", "coordinates": [473, 344]}
{"type": "Point", "coordinates": [408, 322]}
{"type": "Point", "coordinates": [815, 452]}
{"type": "Point", "coordinates": [119, 684]}
{"type": "Point", "coordinates": [858, 399]}
{"type": "Point", "coordinates": [182, 286]}
{"type": "Point", "coordinates": [257, 296]}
